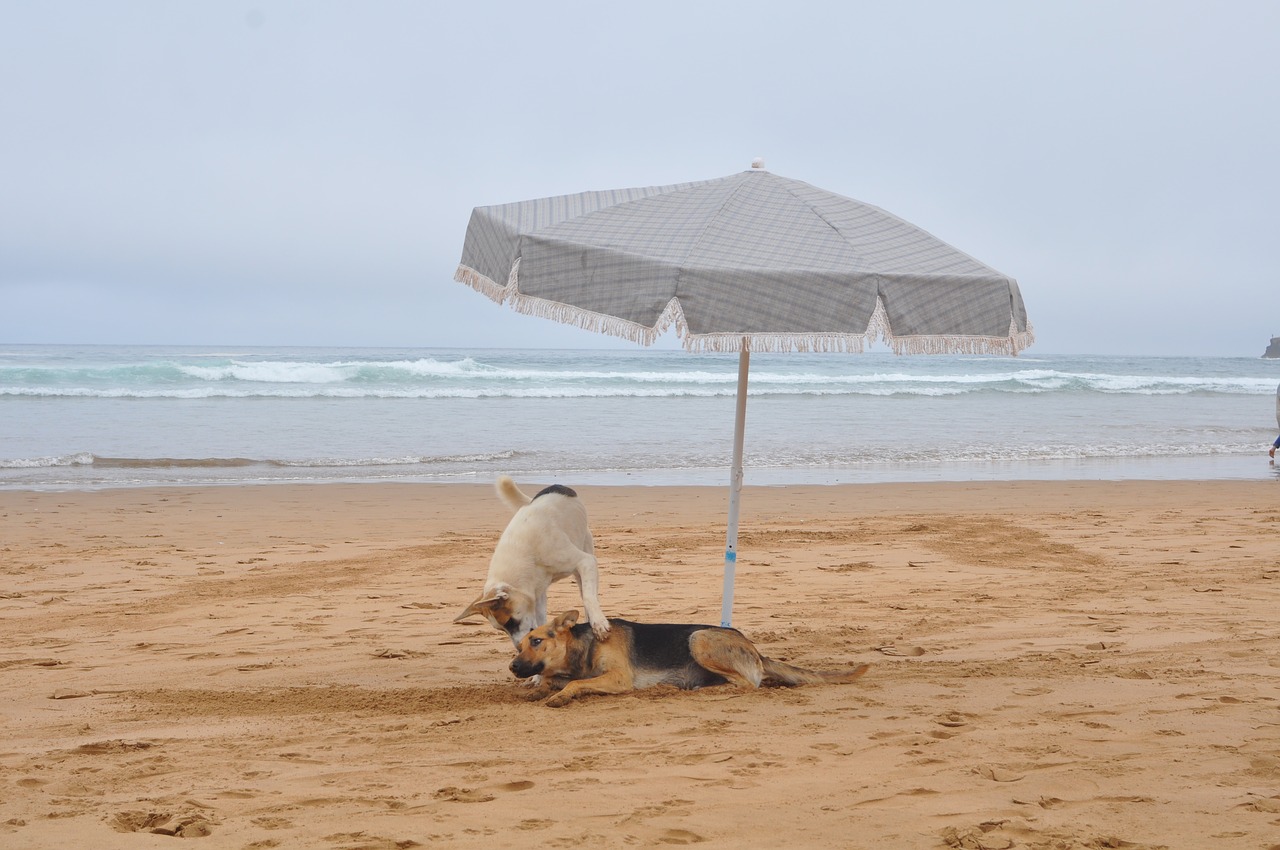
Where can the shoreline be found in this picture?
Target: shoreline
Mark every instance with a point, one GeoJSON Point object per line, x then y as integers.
{"type": "Point", "coordinates": [997, 494]}
{"type": "Point", "coordinates": [1178, 468]}
{"type": "Point", "coordinates": [1075, 663]}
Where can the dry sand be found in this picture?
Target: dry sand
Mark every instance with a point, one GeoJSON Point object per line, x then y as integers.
{"type": "Point", "coordinates": [1056, 665]}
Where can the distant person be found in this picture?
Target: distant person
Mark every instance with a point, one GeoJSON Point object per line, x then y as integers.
{"type": "Point", "coordinates": [1274, 446]}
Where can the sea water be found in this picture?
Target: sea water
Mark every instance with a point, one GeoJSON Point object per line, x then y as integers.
{"type": "Point", "coordinates": [85, 417]}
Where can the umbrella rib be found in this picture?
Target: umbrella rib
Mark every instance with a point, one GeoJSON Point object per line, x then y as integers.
{"type": "Point", "coordinates": [732, 341]}
{"type": "Point", "coordinates": [883, 212]}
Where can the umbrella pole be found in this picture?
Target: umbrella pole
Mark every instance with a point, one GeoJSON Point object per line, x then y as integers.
{"type": "Point", "coordinates": [735, 487]}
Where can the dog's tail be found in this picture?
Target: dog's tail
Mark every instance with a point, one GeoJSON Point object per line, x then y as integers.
{"type": "Point", "coordinates": [510, 493]}
{"type": "Point", "coordinates": [779, 672]}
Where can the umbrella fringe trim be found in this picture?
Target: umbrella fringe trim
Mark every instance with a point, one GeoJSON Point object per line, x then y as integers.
{"type": "Point", "coordinates": [839, 343]}
{"type": "Point", "coordinates": [585, 319]}
{"type": "Point", "coordinates": [1009, 345]}
{"type": "Point", "coordinates": [481, 283]}
{"type": "Point", "coordinates": [846, 343]}
{"type": "Point", "coordinates": [833, 343]}
{"type": "Point", "coordinates": [957, 344]}
{"type": "Point", "coordinates": [567, 314]}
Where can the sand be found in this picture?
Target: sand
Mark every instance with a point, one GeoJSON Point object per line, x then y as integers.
{"type": "Point", "coordinates": [1056, 665]}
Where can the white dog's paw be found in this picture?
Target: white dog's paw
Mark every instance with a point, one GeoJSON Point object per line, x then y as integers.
{"type": "Point", "coordinates": [601, 629]}
{"type": "Point", "coordinates": [532, 681]}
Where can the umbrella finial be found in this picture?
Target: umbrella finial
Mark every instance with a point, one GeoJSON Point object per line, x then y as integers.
{"type": "Point", "coordinates": [758, 163]}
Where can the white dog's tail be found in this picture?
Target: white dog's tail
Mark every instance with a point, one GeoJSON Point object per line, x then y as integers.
{"type": "Point", "coordinates": [510, 493]}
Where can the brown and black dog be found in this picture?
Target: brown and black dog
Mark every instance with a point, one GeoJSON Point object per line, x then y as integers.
{"type": "Point", "coordinates": [572, 662]}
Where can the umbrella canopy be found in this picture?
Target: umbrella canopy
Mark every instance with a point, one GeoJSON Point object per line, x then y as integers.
{"type": "Point", "coordinates": [753, 256]}
{"type": "Point", "coordinates": [748, 262]}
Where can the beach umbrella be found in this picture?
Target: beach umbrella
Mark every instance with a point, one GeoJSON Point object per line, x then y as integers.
{"type": "Point", "coordinates": [752, 262]}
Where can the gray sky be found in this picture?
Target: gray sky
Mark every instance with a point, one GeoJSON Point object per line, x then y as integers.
{"type": "Point", "coordinates": [284, 173]}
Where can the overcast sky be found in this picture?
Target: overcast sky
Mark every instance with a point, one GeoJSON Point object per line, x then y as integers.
{"type": "Point", "coordinates": [284, 173]}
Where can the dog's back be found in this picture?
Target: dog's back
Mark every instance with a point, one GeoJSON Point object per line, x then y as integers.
{"type": "Point", "coordinates": [689, 656]}
{"type": "Point", "coordinates": [550, 529]}
{"type": "Point", "coordinates": [517, 498]}
{"type": "Point", "coordinates": [659, 653]}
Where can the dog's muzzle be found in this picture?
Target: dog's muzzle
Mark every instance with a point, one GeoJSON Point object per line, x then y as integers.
{"type": "Point", "coordinates": [524, 669]}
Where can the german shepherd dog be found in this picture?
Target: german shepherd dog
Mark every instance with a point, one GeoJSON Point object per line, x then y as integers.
{"type": "Point", "coordinates": [548, 539]}
{"type": "Point", "coordinates": [572, 662]}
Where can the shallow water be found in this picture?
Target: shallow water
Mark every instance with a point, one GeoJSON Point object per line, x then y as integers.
{"type": "Point", "coordinates": [88, 417]}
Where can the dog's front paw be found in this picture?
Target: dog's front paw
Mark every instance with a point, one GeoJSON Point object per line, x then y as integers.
{"type": "Point", "coordinates": [601, 629]}
{"type": "Point", "coordinates": [558, 700]}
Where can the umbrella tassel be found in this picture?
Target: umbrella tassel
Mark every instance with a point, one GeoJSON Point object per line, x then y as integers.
{"type": "Point", "coordinates": [778, 343]}
{"type": "Point", "coordinates": [480, 283]}
{"type": "Point", "coordinates": [1009, 345]}
{"type": "Point", "coordinates": [585, 319]}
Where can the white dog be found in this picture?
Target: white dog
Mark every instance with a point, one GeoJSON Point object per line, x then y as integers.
{"type": "Point", "coordinates": [547, 540]}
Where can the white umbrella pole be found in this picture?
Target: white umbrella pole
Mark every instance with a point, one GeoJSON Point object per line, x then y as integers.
{"type": "Point", "coordinates": [735, 487]}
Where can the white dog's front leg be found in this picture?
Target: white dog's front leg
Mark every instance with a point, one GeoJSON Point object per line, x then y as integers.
{"type": "Point", "coordinates": [539, 611]}
{"type": "Point", "coordinates": [588, 576]}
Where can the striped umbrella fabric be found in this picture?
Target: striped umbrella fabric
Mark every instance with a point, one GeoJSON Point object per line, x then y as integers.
{"type": "Point", "coordinates": [748, 262]}
{"type": "Point", "coordinates": [752, 259]}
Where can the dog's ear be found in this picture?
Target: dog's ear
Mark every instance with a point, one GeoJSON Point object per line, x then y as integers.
{"type": "Point", "coordinates": [567, 620]}
{"type": "Point", "coordinates": [482, 604]}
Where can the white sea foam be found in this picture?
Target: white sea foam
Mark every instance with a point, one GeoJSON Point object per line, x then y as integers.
{"type": "Point", "coordinates": [74, 459]}
{"type": "Point", "coordinates": [307, 372]}
{"type": "Point", "coordinates": [195, 374]}
{"type": "Point", "coordinates": [408, 460]}
{"type": "Point", "coordinates": [353, 382]}
{"type": "Point", "coordinates": [89, 417]}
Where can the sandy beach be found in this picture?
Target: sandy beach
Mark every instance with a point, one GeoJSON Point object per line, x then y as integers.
{"type": "Point", "coordinates": [1056, 665]}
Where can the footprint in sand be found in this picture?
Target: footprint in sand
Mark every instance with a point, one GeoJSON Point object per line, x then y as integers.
{"type": "Point", "coordinates": [952, 720]}
{"type": "Point", "coordinates": [519, 785]}
{"type": "Point", "coordinates": [1042, 802]}
{"type": "Point", "coordinates": [365, 841]}
{"type": "Point", "coordinates": [997, 774]}
{"type": "Point", "coordinates": [69, 693]}
{"type": "Point", "coordinates": [977, 839]}
{"type": "Point", "coordinates": [679, 836]}
{"type": "Point", "coordinates": [162, 823]}
{"type": "Point", "coordinates": [462, 795]}
{"type": "Point", "coordinates": [114, 746]}
{"type": "Point", "coordinates": [1269, 805]}
{"type": "Point", "coordinates": [135, 821]}
{"type": "Point", "coordinates": [479, 795]}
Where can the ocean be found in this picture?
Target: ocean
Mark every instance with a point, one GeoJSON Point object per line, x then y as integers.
{"type": "Point", "coordinates": [90, 417]}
